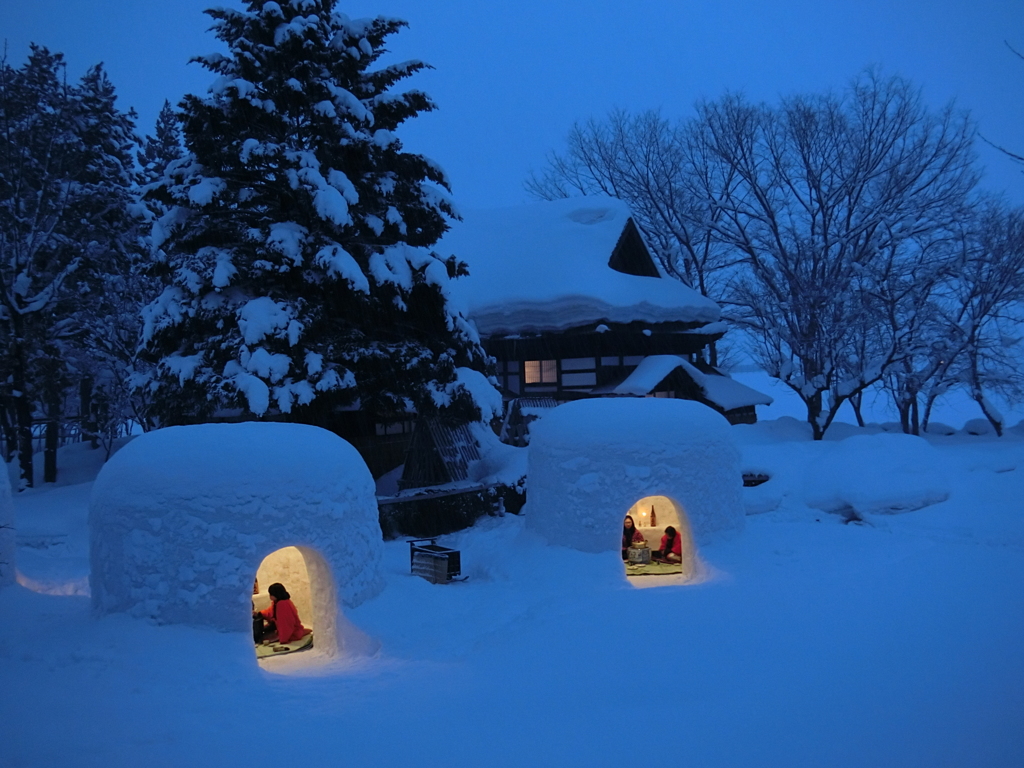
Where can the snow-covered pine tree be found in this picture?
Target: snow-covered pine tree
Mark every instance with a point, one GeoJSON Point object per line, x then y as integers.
{"type": "Point", "coordinates": [65, 223]}
{"type": "Point", "coordinates": [157, 151]}
{"type": "Point", "coordinates": [299, 230]}
{"type": "Point", "coordinates": [109, 397]}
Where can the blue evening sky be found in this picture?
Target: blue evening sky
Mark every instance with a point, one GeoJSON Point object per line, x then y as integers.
{"type": "Point", "coordinates": [511, 78]}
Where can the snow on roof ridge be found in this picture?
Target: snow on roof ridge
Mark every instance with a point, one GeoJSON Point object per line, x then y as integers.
{"type": "Point", "coordinates": [721, 389]}
{"type": "Point", "coordinates": [544, 267]}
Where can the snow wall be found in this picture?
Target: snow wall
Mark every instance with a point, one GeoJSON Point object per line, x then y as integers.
{"type": "Point", "coordinates": [181, 518]}
{"type": "Point", "coordinates": [591, 460]}
{"type": "Point", "coordinates": [7, 566]}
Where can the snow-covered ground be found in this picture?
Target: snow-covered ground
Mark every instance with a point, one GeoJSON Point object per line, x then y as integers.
{"type": "Point", "coordinates": [892, 642]}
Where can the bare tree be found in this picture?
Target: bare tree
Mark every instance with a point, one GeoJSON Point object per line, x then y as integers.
{"type": "Point", "coordinates": [1017, 158]}
{"type": "Point", "coordinates": [646, 161]}
{"type": "Point", "coordinates": [832, 202]}
{"type": "Point", "coordinates": [980, 346]}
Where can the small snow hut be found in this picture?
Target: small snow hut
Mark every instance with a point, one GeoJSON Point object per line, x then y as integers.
{"type": "Point", "coordinates": [591, 462]}
{"type": "Point", "coordinates": [182, 519]}
{"type": "Point", "coordinates": [7, 547]}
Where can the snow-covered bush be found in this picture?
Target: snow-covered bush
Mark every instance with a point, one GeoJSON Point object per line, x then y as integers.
{"type": "Point", "coordinates": [181, 518]}
{"type": "Point", "coordinates": [880, 474]}
{"type": "Point", "coordinates": [978, 427]}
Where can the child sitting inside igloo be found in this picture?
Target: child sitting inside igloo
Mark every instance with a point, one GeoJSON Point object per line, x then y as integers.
{"type": "Point", "coordinates": [281, 617]}
{"type": "Point", "coordinates": [671, 549]}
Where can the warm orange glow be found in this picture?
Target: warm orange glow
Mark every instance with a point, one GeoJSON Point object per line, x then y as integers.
{"type": "Point", "coordinates": [665, 512]}
{"type": "Point", "coordinates": [288, 567]}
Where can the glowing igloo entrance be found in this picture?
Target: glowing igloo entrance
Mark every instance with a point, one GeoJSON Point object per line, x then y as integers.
{"type": "Point", "coordinates": [653, 516]}
{"type": "Point", "coordinates": [307, 580]}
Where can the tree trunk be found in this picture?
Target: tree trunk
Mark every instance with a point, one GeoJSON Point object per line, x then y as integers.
{"type": "Point", "coordinates": [993, 419]}
{"type": "Point", "coordinates": [915, 417]}
{"type": "Point", "coordinates": [54, 412]}
{"type": "Point", "coordinates": [903, 407]}
{"type": "Point", "coordinates": [855, 402]}
{"type": "Point", "coordinates": [7, 424]}
{"type": "Point", "coordinates": [50, 451]}
{"type": "Point", "coordinates": [22, 405]}
{"type": "Point", "coordinates": [813, 404]}
{"type": "Point", "coordinates": [929, 402]}
{"type": "Point", "coordinates": [87, 419]}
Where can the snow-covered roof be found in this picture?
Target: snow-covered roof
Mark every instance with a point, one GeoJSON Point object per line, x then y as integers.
{"type": "Point", "coordinates": [721, 390]}
{"type": "Point", "coordinates": [544, 267]}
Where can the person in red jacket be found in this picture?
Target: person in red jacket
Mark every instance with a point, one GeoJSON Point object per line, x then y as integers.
{"type": "Point", "coordinates": [671, 547]}
{"type": "Point", "coordinates": [283, 614]}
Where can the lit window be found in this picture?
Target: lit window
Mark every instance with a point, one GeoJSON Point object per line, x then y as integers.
{"type": "Point", "coordinates": [541, 371]}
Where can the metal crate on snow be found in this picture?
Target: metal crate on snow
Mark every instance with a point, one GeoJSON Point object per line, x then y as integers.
{"type": "Point", "coordinates": [436, 564]}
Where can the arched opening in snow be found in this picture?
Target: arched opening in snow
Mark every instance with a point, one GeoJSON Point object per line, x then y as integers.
{"type": "Point", "coordinates": [308, 580]}
{"type": "Point", "coordinates": [652, 515]}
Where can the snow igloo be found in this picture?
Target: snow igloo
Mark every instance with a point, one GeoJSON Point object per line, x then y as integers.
{"type": "Point", "coordinates": [592, 462]}
{"type": "Point", "coordinates": [183, 520]}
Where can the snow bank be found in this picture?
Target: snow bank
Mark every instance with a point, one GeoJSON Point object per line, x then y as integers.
{"type": "Point", "coordinates": [7, 566]}
{"type": "Point", "coordinates": [181, 518]}
{"type": "Point", "coordinates": [876, 474]}
{"type": "Point", "coordinates": [978, 427]}
{"type": "Point", "coordinates": [591, 460]}
{"type": "Point", "coordinates": [544, 267]}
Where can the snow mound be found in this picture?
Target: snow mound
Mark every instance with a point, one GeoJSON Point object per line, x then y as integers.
{"type": "Point", "coordinates": [591, 460]}
{"type": "Point", "coordinates": [876, 474]}
{"type": "Point", "coordinates": [181, 518]}
{"type": "Point", "coordinates": [7, 566]}
{"type": "Point", "coordinates": [978, 427]}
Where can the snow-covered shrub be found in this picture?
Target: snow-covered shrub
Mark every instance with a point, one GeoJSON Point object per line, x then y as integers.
{"type": "Point", "coordinates": [591, 460]}
{"type": "Point", "coordinates": [181, 518]}
{"type": "Point", "coordinates": [978, 427]}
{"type": "Point", "coordinates": [938, 428]}
{"type": "Point", "coordinates": [880, 474]}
